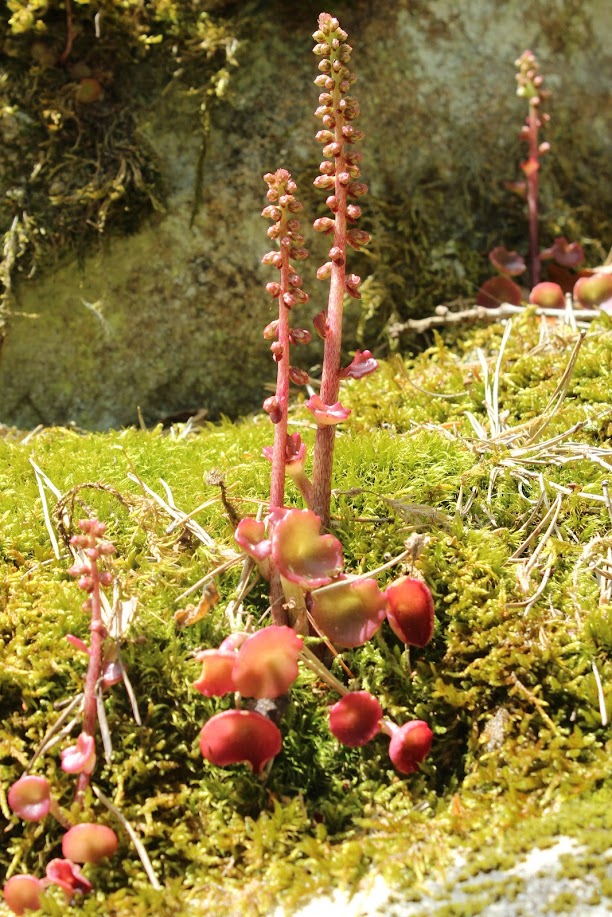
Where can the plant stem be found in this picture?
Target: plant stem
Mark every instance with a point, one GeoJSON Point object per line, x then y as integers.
{"type": "Point", "coordinates": [277, 482]}
{"type": "Point", "coordinates": [98, 634]}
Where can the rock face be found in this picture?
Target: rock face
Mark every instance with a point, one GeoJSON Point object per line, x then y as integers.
{"type": "Point", "coordinates": [169, 319]}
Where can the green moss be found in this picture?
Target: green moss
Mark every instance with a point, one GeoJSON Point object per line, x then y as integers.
{"type": "Point", "coordinates": [520, 756]}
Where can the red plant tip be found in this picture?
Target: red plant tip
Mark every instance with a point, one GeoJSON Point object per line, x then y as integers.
{"type": "Point", "coordinates": [89, 843]}
{"type": "Point", "coordinates": [361, 365]}
{"type": "Point", "coordinates": [547, 295]}
{"type": "Point", "coordinates": [567, 254]}
{"type": "Point", "coordinates": [301, 554]}
{"type": "Point", "coordinates": [266, 665]}
{"type": "Point", "coordinates": [251, 536]}
{"type": "Point", "coordinates": [511, 264]}
{"type": "Point", "coordinates": [22, 893]}
{"type": "Point", "coordinates": [30, 797]}
{"type": "Point", "coordinates": [68, 876]}
{"type": "Point", "coordinates": [350, 611]}
{"type": "Point", "coordinates": [411, 610]}
{"type": "Point", "coordinates": [80, 758]}
{"type": "Point", "coordinates": [410, 744]}
{"type": "Point", "coordinates": [325, 415]}
{"type": "Point", "coordinates": [295, 453]}
{"type": "Point", "coordinates": [216, 678]}
{"type": "Point", "coordinates": [300, 336]}
{"type": "Point", "coordinates": [498, 290]}
{"type": "Point", "coordinates": [595, 291]}
{"type": "Point", "coordinates": [355, 719]}
{"type": "Point", "coordinates": [240, 737]}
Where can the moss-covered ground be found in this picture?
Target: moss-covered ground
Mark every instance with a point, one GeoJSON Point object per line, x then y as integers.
{"type": "Point", "coordinates": [502, 467]}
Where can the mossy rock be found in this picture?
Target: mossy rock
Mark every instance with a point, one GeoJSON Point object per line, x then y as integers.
{"type": "Point", "coordinates": [133, 241]}
{"type": "Point", "coordinates": [506, 510]}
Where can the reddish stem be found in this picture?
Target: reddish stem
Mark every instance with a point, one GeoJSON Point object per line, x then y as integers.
{"type": "Point", "coordinates": [532, 194]}
{"type": "Point", "coordinates": [330, 380]}
{"type": "Point", "coordinates": [94, 669]}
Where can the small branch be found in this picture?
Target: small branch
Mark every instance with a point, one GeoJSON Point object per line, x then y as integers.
{"type": "Point", "coordinates": [140, 850]}
{"type": "Point", "coordinates": [443, 317]}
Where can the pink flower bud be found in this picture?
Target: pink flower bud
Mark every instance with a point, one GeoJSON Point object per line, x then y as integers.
{"type": "Point", "coordinates": [327, 167]}
{"type": "Point", "coordinates": [272, 213]}
{"type": "Point", "coordinates": [289, 300]}
{"type": "Point", "coordinates": [273, 232]}
{"type": "Point", "coordinates": [324, 136]}
{"type": "Point", "coordinates": [357, 189]}
{"type": "Point", "coordinates": [353, 212]}
{"type": "Point", "coordinates": [357, 237]}
{"type": "Point", "coordinates": [295, 280]}
{"type": "Point", "coordinates": [270, 332]}
{"type": "Point", "coordinates": [324, 224]}
{"type": "Point", "coordinates": [336, 254]}
{"type": "Point", "coordinates": [324, 272]}
{"type": "Point", "coordinates": [344, 178]}
{"type": "Point", "coordinates": [324, 182]}
{"type": "Point", "coordinates": [277, 353]}
{"type": "Point", "coordinates": [273, 288]}
{"type": "Point", "coordinates": [332, 149]}
{"type": "Point", "coordinates": [329, 121]}
{"type": "Point", "coordinates": [105, 577]}
{"type": "Point", "coordinates": [273, 258]}
{"type": "Point", "coordinates": [272, 406]}
{"type": "Point", "coordinates": [298, 376]}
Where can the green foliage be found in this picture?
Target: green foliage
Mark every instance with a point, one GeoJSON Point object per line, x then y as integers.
{"type": "Point", "coordinates": [507, 683]}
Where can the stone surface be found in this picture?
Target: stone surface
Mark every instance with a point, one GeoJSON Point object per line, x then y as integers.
{"type": "Point", "coordinates": [169, 319]}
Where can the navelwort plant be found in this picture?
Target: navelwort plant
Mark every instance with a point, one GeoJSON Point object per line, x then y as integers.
{"type": "Point", "coordinates": [310, 594]}
{"type": "Point", "coordinates": [589, 288]}
{"type": "Point", "coordinates": [30, 797]}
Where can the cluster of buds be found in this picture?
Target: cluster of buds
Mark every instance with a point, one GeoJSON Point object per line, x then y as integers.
{"type": "Point", "coordinates": [93, 546]}
{"type": "Point", "coordinates": [340, 170]}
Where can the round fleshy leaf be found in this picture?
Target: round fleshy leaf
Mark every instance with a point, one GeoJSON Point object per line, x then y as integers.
{"type": "Point", "coordinates": [361, 365]}
{"type": "Point", "coordinates": [497, 290]}
{"type": "Point", "coordinates": [266, 665]}
{"type": "Point", "coordinates": [240, 736]}
{"type": "Point", "coordinates": [30, 797]}
{"type": "Point", "coordinates": [301, 554]}
{"type": "Point", "coordinates": [251, 536]}
{"type": "Point", "coordinates": [410, 744]}
{"type": "Point", "coordinates": [411, 610]}
{"type": "Point", "coordinates": [547, 295]}
{"type": "Point", "coordinates": [88, 843]}
{"type": "Point", "coordinates": [216, 678]}
{"type": "Point", "coordinates": [355, 719]}
{"type": "Point", "coordinates": [594, 291]}
{"type": "Point", "coordinates": [22, 893]}
{"type": "Point", "coordinates": [509, 263]}
{"type": "Point", "coordinates": [350, 612]}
